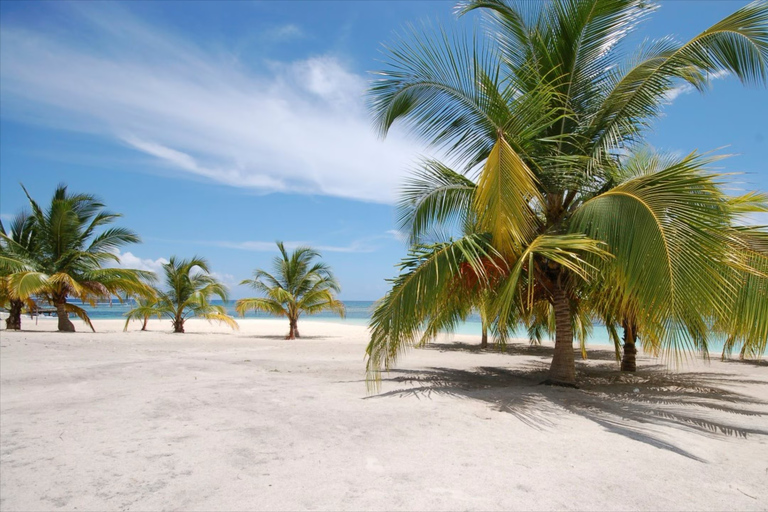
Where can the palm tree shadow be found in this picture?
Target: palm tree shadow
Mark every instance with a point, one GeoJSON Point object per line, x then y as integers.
{"type": "Point", "coordinates": [283, 338]}
{"type": "Point", "coordinates": [519, 349]}
{"type": "Point", "coordinates": [751, 362]}
{"type": "Point", "coordinates": [638, 406]}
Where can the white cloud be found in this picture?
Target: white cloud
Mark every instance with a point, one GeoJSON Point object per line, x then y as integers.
{"type": "Point", "coordinates": [292, 126]}
{"type": "Point", "coordinates": [227, 280]}
{"type": "Point", "coordinates": [687, 88]}
{"type": "Point", "coordinates": [363, 245]}
{"type": "Point", "coordinates": [755, 219]}
{"type": "Point", "coordinates": [284, 32]}
{"type": "Point", "coordinates": [398, 235]}
{"type": "Point", "coordinates": [128, 260]}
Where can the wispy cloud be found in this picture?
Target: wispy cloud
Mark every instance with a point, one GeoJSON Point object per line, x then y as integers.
{"type": "Point", "coordinates": [357, 246]}
{"type": "Point", "coordinates": [755, 219]}
{"type": "Point", "coordinates": [128, 260]}
{"type": "Point", "coordinates": [398, 235]}
{"type": "Point", "coordinates": [687, 88]}
{"type": "Point", "coordinates": [361, 245]}
{"type": "Point", "coordinates": [284, 32]}
{"type": "Point", "coordinates": [289, 126]}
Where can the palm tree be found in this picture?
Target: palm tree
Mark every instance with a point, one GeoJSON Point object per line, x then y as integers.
{"type": "Point", "coordinates": [190, 288]}
{"type": "Point", "coordinates": [145, 308]}
{"type": "Point", "coordinates": [539, 117]}
{"type": "Point", "coordinates": [67, 256]}
{"type": "Point", "coordinates": [296, 286]}
{"type": "Point", "coordinates": [14, 258]}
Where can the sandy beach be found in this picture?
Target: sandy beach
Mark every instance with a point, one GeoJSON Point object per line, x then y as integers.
{"type": "Point", "coordinates": [222, 420]}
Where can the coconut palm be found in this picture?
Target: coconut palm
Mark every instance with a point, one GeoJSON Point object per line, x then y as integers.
{"type": "Point", "coordinates": [15, 257]}
{"type": "Point", "coordinates": [190, 287]}
{"type": "Point", "coordinates": [144, 310]}
{"type": "Point", "coordinates": [745, 324]}
{"type": "Point", "coordinates": [538, 117]}
{"type": "Point", "coordinates": [297, 285]}
{"type": "Point", "coordinates": [67, 257]}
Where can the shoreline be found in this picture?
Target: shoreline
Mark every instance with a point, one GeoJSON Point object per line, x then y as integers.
{"type": "Point", "coordinates": [273, 325]}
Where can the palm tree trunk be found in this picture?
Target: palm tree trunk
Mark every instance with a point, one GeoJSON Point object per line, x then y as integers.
{"type": "Point", "coordinates": [14, 317]}
{"type": "Point", "coordinates": [562, 372]}
{"type": "Point", "coordinates": [484, 338]}
{"type": "Point", "coordinates": [294, 331]}
{"type": "Point", "coordinates": [144, 325]}
{"type": "Point", "coordinates": [178, 324]}
{"type": "Point", "coordinates": [65, 325]}
{"type": "Point", "coordinates": [629, 359]}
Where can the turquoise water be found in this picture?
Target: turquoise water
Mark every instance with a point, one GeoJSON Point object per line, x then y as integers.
{"type": "Point", "coordinates": [359, 313]}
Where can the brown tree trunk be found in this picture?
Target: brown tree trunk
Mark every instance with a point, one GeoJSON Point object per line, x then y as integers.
{"type": "Point", "coordinates": [484, 338]}
{"type": "Point", "coordinates": [562, 372]}
{"type": "Point", "coordinates": [144, 325]}
{"type": "Point", "coordinates": [65, 325]}
{"type": "Point", "coordinates": [294, 331]}
{"type": "Point", "coordinates": [178, 325]}
{"type": "Point", "coordinates": [629, 359]}
{"type": "Point", "coordinates": [14, 315]}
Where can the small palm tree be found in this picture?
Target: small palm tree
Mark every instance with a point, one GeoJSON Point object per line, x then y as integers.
{"type": "Point", "coordinates": [190, 288]}
{"type": "Point", "coordinates": [20, 234]}
{"type": "Point", "coordinates": [66, 256]}
{"type": "Point", "coordinates": [145, 308]}
{"type": "Point", "coordinates": [296, 286]}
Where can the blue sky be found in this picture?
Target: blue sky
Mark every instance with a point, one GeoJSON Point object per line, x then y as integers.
{"type": "Point", "coordinates": [217, 128]}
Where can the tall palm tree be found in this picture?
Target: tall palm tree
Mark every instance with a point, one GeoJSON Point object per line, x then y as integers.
{"type": "Point", "coordinates": [297, 285]}
{"type": "Point", "coordinates": [67, 257]}
{"type": "Point", "coordinates": [190, 287]}
{"type": "Point", "coordinates": [15, 258]}
{"type": "Point", "coordinates": [538, 116]}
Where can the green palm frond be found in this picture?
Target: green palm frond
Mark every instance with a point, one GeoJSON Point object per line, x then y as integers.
{"type": "Point", "coordinates": [505, 191]}
{"type": "Point", "coordinates": [426, 280]}
{"type": "Point", "coordinates": [81, 314]}
{"type": "Point", "coordinates": [270, 306]}
{"type": "Point", "coordinates": [435, 195]}
{"type": "Point", "coordinates": [668, 230]}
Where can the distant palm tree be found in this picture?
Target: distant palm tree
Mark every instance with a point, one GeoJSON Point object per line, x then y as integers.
{"type": "Point", "coordinates": [14, 257]}
{"type": "Point", "coordinates": [538, 117]}
{"type": "Point", "coordinates": [67, 256]}
{"type": "Point", "coordinates": [296, 286]}
{"type": "Point", "coordinates": [145, 308]}
{"type": "Point", "coordinates": [190, 288]}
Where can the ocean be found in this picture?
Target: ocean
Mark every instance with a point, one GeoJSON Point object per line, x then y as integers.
{"type": "Point", "coordinates": [359, 313]}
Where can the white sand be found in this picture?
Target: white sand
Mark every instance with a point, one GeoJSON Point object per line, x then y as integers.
{"type": "Point", "coordinates": [215, 420]}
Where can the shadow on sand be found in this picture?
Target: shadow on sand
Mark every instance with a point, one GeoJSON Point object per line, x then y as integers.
{"type": "Point", "coordinates": [638, 406]}
{"type": "Point", "coordinates": [276, 337]}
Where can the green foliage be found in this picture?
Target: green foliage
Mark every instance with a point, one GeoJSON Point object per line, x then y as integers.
{"type": "Point", "coordinates": [549, 110]}
{"type": "Point", "coordinates": [60, 251]}
{"type": "Point", "coordinates": [189, 288]}
{"type": "Point", "coordinates": [297, 285]}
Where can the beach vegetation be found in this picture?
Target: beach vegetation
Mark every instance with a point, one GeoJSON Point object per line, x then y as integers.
{"type": "Point", "coordinates": [572, 216]}
{"type": "Point", "coordinates": [298, 285]}
{"type": "Point", "coordinates": [189, 289]}
{"type": "Point", "coordinates": [61, 251]}
{"type": "Point", "coordinates": [13, 255]}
